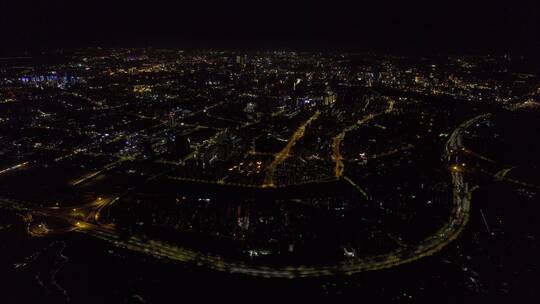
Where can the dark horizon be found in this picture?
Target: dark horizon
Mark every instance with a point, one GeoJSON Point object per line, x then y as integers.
{"type": "Point", "coordinates": [456, 27]}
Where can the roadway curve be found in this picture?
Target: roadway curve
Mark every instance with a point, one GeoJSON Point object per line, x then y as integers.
{"type": "Point", "coordinates": [458, 218]}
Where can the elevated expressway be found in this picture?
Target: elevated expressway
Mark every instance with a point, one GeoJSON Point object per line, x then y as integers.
{"type": "Point", "coordinates": [457, 220]}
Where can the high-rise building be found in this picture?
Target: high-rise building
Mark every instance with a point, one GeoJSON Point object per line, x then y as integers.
{"type": "Point", "coordinates": [329, 98]}
{"type": "Point", "coordinates": [241, 59]}
{"type": "Point", "coordinates": [172, 119]}
{"type": "Point", "coordinates": [250, 107]}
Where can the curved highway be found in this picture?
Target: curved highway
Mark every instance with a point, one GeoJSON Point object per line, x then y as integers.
{"type": "Point", "coordinates": [457, 220]}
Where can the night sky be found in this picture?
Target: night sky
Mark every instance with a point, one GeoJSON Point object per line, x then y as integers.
{"type": "Point", "coordinates": [391, 26]}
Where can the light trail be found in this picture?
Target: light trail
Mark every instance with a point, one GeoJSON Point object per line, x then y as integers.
{"type": "Point", "coordinates": [509, 180]}
{"type": "Point", "coordinates": [393, 151]}
{"type": "Point", "coordinates": [338, 139]}
{"type": "Point", "coordinates": [364, 193]}
{"type": "Point", "coordinates": [13, 168]}
{"type": "Point", "coordinates": [107, 168]}
{"type": "Point", "coordinates": [459, 216]}
{"type": "Point", "coordinates": [457, 221]}
{"type": "Point", "coordinates": [281, 156]}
